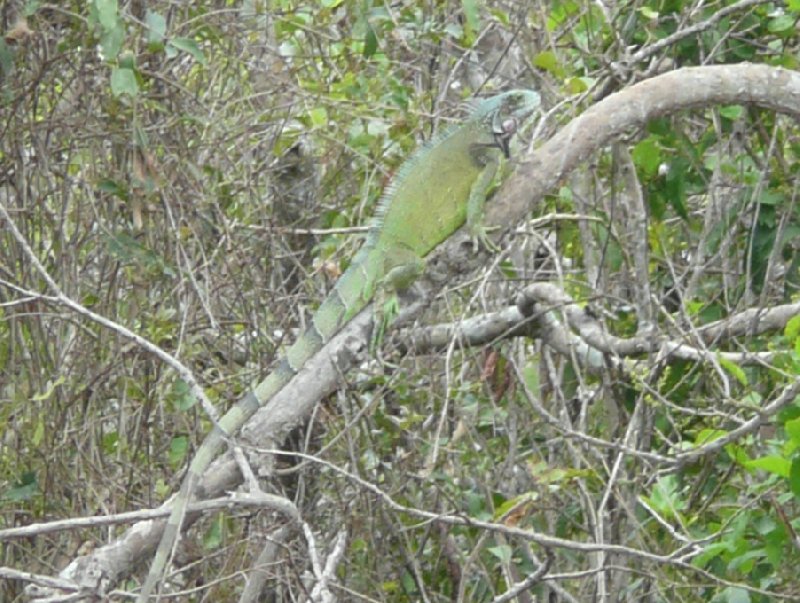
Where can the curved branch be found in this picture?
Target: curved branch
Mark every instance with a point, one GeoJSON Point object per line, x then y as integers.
{"type": "Point", "coordinates": [689, 88]}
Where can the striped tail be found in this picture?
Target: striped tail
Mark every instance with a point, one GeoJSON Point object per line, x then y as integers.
{"type": "Point", "coordinates": [352, 293]}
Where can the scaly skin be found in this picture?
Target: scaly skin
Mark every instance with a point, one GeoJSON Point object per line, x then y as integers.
{"type": "Point", "coordinates": [442, 186]}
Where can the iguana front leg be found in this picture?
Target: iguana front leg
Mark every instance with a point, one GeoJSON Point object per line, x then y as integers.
{"type": "Point", "coordinates": [477, 202]}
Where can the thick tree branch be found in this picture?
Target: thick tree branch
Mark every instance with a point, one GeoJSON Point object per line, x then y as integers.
{"type": "Point", "coordinates": [689, 88]}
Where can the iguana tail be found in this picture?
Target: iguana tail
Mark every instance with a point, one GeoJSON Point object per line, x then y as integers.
{"type": "Point", "coordinates": [351, 294]}
{"type": "Point", "coordinates": [443, 184]}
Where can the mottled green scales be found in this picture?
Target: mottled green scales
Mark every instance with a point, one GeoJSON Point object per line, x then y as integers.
{"type": "Point", "coordinates": [439, 189]}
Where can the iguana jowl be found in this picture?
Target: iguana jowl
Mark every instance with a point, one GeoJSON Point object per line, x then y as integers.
{"type": "Point", "coordinates": [442, 186]}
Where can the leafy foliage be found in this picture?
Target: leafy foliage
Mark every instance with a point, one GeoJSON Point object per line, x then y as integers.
{"type": "Point", "coordinates": [166, 163]}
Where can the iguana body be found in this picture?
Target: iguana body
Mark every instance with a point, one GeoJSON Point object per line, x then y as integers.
{"type": "Point", "coordinates": [442, 186]}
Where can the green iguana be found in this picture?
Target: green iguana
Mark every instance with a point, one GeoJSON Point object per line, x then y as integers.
{"type": "Point", "coordinates": [442, 186]}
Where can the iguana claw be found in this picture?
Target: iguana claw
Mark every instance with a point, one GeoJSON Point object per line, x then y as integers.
{"type": "Point", "coordinates": [480, 238]}
{"type": "Point", "coordinates": [384, 315]}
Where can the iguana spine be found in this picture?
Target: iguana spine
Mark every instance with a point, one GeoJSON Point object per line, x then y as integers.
{"type": "Point", "coordinates": [442, 186]}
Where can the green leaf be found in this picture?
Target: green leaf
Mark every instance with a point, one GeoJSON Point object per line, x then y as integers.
{"type": "Point", "coordinates": [675, 187]}
{"type": "Point", "coordinates": [517, 500]}
{"type": "Point", "coordinates": [123, 81]}
{"type": "Point", "coordinates": [509, 270]}
{"type": "Point", "coordinates": [107, 13]}
{"type": "Point", "coordinates": [532, 373]}
{"type": "Point", "coordinates": [710, 551]}
{"type": "Point", "coordinates": [503, 18]}
{"type": "Point", "coordinates": [177, 450]}
{"type": "Point", "coordinates": [502, 552]}
{"type": "Point", "coordinates": [190, 46]}
{"type": "Point", "coordinates": [576, 85]}
{"type": "Point", "coordinates": [738, 454]}
{"type": "Point", "coordinates": [390, 586]}
{"type": "Point", "coordinates": [649, 13]}
{"type": "Point", "coordinates": [794, 477]}
{"type": "Point", "coordinates": [732, 112]}
{"type": "Point", "coordinates": [128, 250]}
{"type": "Point", "coordinates": [613, 250]}
{"type": "Point", "coordinates": [6, 58]}
{"type": "Point", "coordinates": [212, 539]}
{"type": "Point", "coordinates": [31, 7]}
{"type": "Point", "coordinates": [761, 242]}
{"type": "Point", "coordinates": [765, 525]}
{"type": "Point", "coordinates": [792, 428]}
{"type": "Point", "coordinates": [665, 497]}
{"type": "Point", "coordinates": [768, 197]}
{"type": "Point", "coordinates": [140, 138]}
{"type": "Point", "coordinates": [734, 369]}
{"type": "Point", "coordinates": [454, 30]}
{"type": "Point", "coordinates": [771, 464]}
{"type": "Point", "coordinates": [319, 117]}
{"type": "Point", "coordinates": [156, 27]}
{"type": "Point", "coordinates": [776, 542]}
{"type": "Point", "coordinates": [38, 434]}
{"type": "Point", "coordinates": [734, 594]}
{"type": "Point", "coordinates": [182, 395]}
{"type": "Point", "coordinates": [792, 328]}
{"type": "Point", "coordinates": [548, 61]}
{"type": "Point", "coordinates": [113, 187]}
{"type": "Point", "coordinates": [472, 19]}
{"type": "Point", "coordinates": [126, 60]}
{"type": "Point", "coordinates": [781, 24]}
{"type": "Point", "coordinates": [370, 42]}
{"type": "Point", "coordinates": [162, 489]}
{"type": "Point", "coordinates": [111, 42]}
{"type": "Point", "coordinates": [25, 489]}
{"type": "Point", "coordinates": [110, 442]}
{"type": "Point", "coordinates": [706, 436]}
{"type": "Point", "coordinates": [647, 155]}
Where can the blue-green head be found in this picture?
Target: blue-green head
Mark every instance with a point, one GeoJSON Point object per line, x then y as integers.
{"type": "Point", "coordinates": [505, 113]}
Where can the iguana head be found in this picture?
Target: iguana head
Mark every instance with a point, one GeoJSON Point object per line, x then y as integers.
{"type": "Point", "coordinates": [505, 112]}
